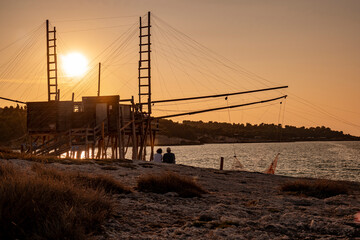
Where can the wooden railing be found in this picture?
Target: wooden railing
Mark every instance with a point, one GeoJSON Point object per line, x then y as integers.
{"type": "Point", "coordinates": [74, 137]}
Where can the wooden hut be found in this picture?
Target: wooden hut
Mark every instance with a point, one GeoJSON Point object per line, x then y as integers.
{"type": "Point", "coordinates": [96, 123]}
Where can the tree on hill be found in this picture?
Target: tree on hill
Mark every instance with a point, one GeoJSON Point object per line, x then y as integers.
{"type": "Point", "coordinates": [213, 131]}
{"type": "Point", "coordinates": [12, 124]}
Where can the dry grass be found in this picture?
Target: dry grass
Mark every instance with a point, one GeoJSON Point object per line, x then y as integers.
{"type": "Point", "coordinates": [6, 170]}
{"type": "Point", "coordinates": [5, 149]}
{"type": "Point", "coordinates": [106, 183]}
{"type": "Point", "coordinates": [112, 168]}
{"type": "Point", "coordinates": [7, 153]}
{"type": "Point", "coordinates": [95, 182]}
{"type": "Point", "coordinates": [51, 204]}
{"type": "Point", "coordinates": [317, 188]}
{"type": "Point", "coordinates": [170, 182]}
{"type": "Point", "coordinates": [205, 220]}
{"type": "Point", "coordinates": [127, 165]}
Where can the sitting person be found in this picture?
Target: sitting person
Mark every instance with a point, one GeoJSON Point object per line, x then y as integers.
{"type": "Point", "coordinates": [158, 157]}
{"type": "Point", "coordinates": [169, 157]}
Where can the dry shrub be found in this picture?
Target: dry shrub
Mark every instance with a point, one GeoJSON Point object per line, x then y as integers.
{"type": "Point", "coordinates": [10, 154]}
{"type": "Point", "coordinates": [5, 149]}
{"type": "Point", "coordinates": [6, 153]}
{"type": "Point", "coordinates": [49, 172]}
{"type": "Point", "coordinates": [205, 218]}
{"type": "Point", "coordinates": [29, 157]}
{"type": "Point", "coordinates": [101, 182]}
{"type": "Point", "coordinates": [40, 206]}
{"type": "Point", "coordinates": [224, 224]}
{"type": "Point", "coordinates": [112, 168]}
{"type": "Point", "coordinates": [317, 188]}
{"type": "Point", "coordinates": [170, 182]}
{"type": "Point", "coordinates": [6, 170]}
{"type": "Point", "coordinates": [127, 165]}
{"type": "Point", "coordinates": [52, 159]}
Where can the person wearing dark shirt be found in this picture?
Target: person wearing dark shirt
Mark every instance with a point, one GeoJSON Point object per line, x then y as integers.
{"type": "Point", "coordinates": [169, 157]}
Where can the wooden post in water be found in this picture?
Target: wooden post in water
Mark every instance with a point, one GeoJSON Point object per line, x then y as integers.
{"type": "Point", "coordinates": [221, 163]}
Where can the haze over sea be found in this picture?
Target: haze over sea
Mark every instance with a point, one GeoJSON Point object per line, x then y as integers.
{"type": "Point", "coordinates": [330, 160]}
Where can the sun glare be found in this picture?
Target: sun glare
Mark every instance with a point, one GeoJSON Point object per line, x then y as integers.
{"type": "Point", "coordinates": [74, 64]}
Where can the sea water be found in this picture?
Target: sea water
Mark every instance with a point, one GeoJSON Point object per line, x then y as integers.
{"type": "Point", "coordinates": [329, 160]}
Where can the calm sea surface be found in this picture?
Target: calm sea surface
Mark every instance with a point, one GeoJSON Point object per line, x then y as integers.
{"type": "Point", "coordinates": [330, 160]}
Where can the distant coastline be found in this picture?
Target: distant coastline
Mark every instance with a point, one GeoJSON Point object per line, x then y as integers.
{"type": "Point", "coordinates": [166, 141]}
{"type": "Point", "coordinates": [13, 130]}
{"type": "Point", "coordinates": [198, 132]}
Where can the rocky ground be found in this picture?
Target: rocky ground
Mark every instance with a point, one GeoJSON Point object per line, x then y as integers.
{"type": "Point", "coordinates": [239, 205]}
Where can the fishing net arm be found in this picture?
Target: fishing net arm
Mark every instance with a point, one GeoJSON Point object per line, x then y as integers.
{"type": "Point", "coordinates": [220, 108]}
{"type": "Point", "coordinates": [12, 100]}
{"type": "Point", "coordinates": [217, 95]}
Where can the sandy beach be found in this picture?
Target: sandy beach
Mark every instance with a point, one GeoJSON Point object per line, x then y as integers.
{"type": "Point", "coordinates": [239, 205]}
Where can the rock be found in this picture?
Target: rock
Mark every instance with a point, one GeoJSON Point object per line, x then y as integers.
{"type": "Point", "coordinates": [171, 194]}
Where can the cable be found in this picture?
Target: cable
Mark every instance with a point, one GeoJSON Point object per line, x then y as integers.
{"type": "Point", "coordinates": [95, 19]}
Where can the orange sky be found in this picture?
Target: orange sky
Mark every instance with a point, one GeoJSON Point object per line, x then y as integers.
{"type": "Point", "coordinates": [312, 46]}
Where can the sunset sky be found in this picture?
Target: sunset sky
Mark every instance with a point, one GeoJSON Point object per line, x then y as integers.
{"type": "Point", "coordinates": [199, 48]}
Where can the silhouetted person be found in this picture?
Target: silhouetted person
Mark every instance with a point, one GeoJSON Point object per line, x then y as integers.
{"type": "Point", "coordinates": [158, 156]}
{"type": "Point", "coordinates": [169, 157]}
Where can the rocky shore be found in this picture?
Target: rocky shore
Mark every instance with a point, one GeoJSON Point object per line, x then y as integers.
{"type": "Point", "coordinates": [239, 205]}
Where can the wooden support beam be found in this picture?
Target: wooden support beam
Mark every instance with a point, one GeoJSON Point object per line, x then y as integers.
{"type": "Point", "coordinates": [217, 95]}
{"type": "Point", "coordinates": [12, 100]}
{"type": "Point", "coordinates": [220, 108]}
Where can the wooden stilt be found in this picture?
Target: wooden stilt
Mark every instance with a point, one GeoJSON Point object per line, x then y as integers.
{"type": "Point", "coordinates": [122, 134]}
{"type": "Point", "coordinates": [133, 130]}
{"type": "Point", "coordinates": [78, 154]}
{"type": "Point", "coordinates": [86, 143]}
{"type": "Point", "coordinates": [127, 145]}
{"type": "Point", "coordinates": [144, 140]}
{"type": "Point", "coordinates": [152, 145]}
{"type": "Point", "coordinates": [87, 153]}
{"type": "Point", "coordinates": [112, 147]}
{"type": "Point", "coordinates": [98, 154]}
{"type": "Point", "coordinates": [106, 147]}
{"type": "Point", "coordinates": [31, 145]}
{"type": "Point", "coordinates": [102, 140]}
{"type": "Point", "coordinates": [116, 149]}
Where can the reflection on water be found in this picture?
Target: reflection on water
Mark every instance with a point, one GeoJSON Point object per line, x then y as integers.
{"type": "Point", "coordinates": [331, 160]}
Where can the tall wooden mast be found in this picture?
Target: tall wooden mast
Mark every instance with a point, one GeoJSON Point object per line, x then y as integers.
{"type": "Point", "coordinates": [53, 94]}
{"type": "Point", "coordinates": [145, 66]}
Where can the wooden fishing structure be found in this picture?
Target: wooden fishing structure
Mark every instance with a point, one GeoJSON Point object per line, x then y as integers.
{"type": "Point", "coordinates": [97, 124]}
{"type": "Point", "coordinates": [100, 127]}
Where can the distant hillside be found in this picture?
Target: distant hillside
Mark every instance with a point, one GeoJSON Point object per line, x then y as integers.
{"type": "Point", "coordinates": [13, 128]}
{"type": "Point", "coordinates": [214, 132]}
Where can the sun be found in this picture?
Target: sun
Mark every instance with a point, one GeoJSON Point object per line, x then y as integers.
{"type": "Point", "coordinates": [74, 64]}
